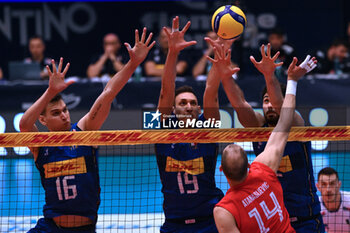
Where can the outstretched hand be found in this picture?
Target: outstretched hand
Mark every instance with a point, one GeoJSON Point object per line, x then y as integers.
{"type": "Point", "coordinates": [176, 41]}
{"type": "Point", "coordinates": [267, 64]}
{"type": "Point", "coordinates": [297, 72]}
{"type": "Point", "coordinates": [222, 62]}
{"type": "Point", "coordinates": [56, 77]}
{"type": "Point", "coordinates": [141, 48]}
{"type": "Point", "coordinates": [219, 41]}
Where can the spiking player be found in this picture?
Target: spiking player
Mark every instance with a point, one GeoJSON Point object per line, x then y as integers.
{"type": "Point", "coordinates": [187, 170]}
{"type": "Point", "coordinates": [295, 173]}
{"type": "Point", "coordinates": [254, 202]}
{"type": "Point", "coordinates": [69, 175]}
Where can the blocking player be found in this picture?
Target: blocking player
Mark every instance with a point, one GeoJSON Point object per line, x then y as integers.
{"type": "Point", "coordinates": [187, 170]}
{"type": "Point", "coordinates": [295, 172]}
{"type": "Point", "coordinates": [69, 174]}
{"type": "Point", "coordinates": [335, 204]}
{"type": "Point", "coordinates": [254, 202]}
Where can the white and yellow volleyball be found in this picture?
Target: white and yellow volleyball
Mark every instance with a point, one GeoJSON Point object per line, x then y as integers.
{"type": "Point", "coordinates": [228, 22]}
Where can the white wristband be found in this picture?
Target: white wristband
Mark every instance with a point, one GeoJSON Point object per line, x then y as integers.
{"type": "Point", "coordinates": [291, 87]}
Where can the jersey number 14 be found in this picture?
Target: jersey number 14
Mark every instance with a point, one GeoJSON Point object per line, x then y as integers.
{"type": "Point", "coordinates": [254, 213]}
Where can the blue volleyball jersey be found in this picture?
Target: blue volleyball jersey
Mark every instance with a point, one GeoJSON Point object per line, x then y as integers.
{"type": "Point", "coordinates": [69, 175]}
{"type": "Point", "coordinates": [297, 179]}
{"type": "Point", "coordinates": [187, 173]}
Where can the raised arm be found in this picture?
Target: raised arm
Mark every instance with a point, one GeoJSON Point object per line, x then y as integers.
{"type": "Point", "coordinates": [56, 85]}
{"type": "Point", "coordinates": [273, 152]}
{"type": "Point", "coordinates": [221, 68]}
{"type": "Point", "coordinates": [94, 119]}
{"type": "Point", "coordinates": [267, 67]}
{"type": "Point", "coordinates": [176, 43]}
{"type": "Point", "coordinates": [224, 221]}
{"type": "Point", "coordinates": [246, 115]}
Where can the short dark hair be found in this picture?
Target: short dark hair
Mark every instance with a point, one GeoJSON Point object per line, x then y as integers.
{"type": "Point", "coordinates": [234, 171]}
{"type": "Point", "coordinates": [327, 171]}
{"type": "Point", "coordinates": [276, 31]}
{"type": "Point", "coordinates": [283, 89]}
{"type": "Point", "coordinates": [183, 89]}
{"type": "Point", "coordinates": [337, 42]}
{"type": "Point", "coordinates": [55, 99]}
{"type": "Point", "coordinates": [36, 37]}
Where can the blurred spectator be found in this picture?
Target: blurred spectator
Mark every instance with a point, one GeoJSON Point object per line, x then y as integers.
{"type": "Point", "coordinates": [1, 74]}
{"type": "Point", "coordinates": [335, 204]}
{"type": "Point", "coordinates": [278, 43]}
{"type": "Point", "coordinates": [334, 60]}
{"type": "Point", "coordinates": [111, 61]}
{"type": "Point", "coordinates": [348, 32]}
{"type": "Point", "coordinates": [202, 67]}
{"type": "Point", "coordinates": [155, 61]}
{"type": "Point", "coordinates": [37, 55]}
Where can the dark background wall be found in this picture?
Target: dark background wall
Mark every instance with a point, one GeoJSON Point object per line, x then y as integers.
{"type": "Point", "coordinates": [75, 29]}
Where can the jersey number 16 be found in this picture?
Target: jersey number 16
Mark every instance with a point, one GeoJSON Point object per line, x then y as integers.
{"type": "Point", "coordinates": [69, 191]}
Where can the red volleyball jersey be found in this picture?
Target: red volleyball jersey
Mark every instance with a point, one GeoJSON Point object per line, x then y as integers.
{"type": "Point", "coordinates": [257, 203]}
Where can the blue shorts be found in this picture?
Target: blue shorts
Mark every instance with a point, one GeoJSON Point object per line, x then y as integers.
{"type": "Point", "coordinates": [311, 226]}
{"type": "Point", "coordinates": [47, 225]}
{"type": "Point", "coordinates": [201, 227]}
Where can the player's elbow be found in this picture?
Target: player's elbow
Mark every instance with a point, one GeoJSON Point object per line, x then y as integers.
{"type": "Point", "coordinates": [23, 125]}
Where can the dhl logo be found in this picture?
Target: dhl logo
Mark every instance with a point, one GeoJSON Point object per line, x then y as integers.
{"type": "Point", "coordinates": [193, 167]}
{"type": "Point", "coordinates": [286, 165]}
{"type": "Point", "coordinates": [65, 167]}
{"type": "Point", "coordinates": [133, 137]}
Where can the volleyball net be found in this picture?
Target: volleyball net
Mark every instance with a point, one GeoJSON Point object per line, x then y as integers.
{"type": "Point", "coordinates": [131, 197]}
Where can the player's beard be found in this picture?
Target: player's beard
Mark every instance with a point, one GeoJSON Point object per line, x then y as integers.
{"type": "Point", "coordinates": [271, 119]}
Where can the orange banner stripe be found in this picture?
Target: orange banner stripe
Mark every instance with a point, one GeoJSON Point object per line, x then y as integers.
{"type": "Point", "coordinates": [134, 137]}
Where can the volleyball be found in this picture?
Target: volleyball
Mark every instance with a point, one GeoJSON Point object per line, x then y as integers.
{"type": "Point", "coordinates": [228, 22]}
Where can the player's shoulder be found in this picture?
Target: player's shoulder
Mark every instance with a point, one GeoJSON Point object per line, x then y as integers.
{"type": "Point", "coordinates": [323, 208]}
{"type": "Point", "coordinates": [260, 169]}
{"type": "Point", "coordinates": [75, 127]}
{"type": "Point", "coordinates": [346, 198]}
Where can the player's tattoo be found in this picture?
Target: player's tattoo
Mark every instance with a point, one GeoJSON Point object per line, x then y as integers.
{"type": "Point", "coordinates": [95, 113]}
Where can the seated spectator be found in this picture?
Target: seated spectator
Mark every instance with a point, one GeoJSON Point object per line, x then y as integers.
{"type": "Point", "coordinates": [203, 65]}
{"type": "Point", "coordinates": [348, 32]}
{"type": "Point", "coordinates": [334, 60]}
{"type": "Point", "coordinates": [155, 61]}
{"type": "Point", "coordinates": [335, 204]}
{"type": "Point", "coordinates": [37, 50]}
{"type": "Point", "coordinates": [278, 43]}
{"type": "Point", "coordinates": [111, 61]}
